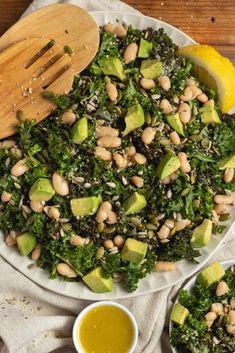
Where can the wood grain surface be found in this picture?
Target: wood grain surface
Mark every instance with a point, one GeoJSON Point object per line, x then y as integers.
{"type": "Point", "coordinates": [207, 21]}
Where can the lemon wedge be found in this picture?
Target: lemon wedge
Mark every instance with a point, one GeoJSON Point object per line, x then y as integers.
{"type": "Point", "coordinates": [215, 71]}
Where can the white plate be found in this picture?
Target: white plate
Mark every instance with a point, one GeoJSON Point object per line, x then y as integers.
{"type": "Point", "coordinates": [190, 284]}
{"type": "Point", "coordinates": [155, 281]}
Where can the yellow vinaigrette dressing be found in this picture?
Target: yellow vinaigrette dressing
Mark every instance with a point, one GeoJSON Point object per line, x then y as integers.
{"type": "Point", "coordinates": [106, 329]}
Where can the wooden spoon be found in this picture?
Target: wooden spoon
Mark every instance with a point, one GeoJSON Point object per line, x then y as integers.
{"type": "Point", "coordinates": [20, 88]}
{"type": "Point", "coordinates": [27, 68]}
{"type": "Point", "coordinates": [67, 24]}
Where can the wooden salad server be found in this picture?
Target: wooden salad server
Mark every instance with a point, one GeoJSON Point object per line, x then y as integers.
{"type": "Point", "coordinates": [30, 66]}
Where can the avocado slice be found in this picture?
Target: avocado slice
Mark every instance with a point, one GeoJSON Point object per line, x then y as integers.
{"type": "Point", "coordinates": [211, 274]}
{"type": "Point", "coordinates": [202, 234]}
{"type": "Point", "coordinates": [167, 165]}
{"type": "Point", "coordinates": [179, 314]}
{"type": "Point", "coordinates": [85, 206]}
{"type": "Point", "coordinates": [112, 66]}
{"type": "Point", "coordinates": [227, 162]}
{"type": "Point", "coordinates": [176, 124]}
{"type": "Point", "coordinates": [134, 203]}
{"type": "Point", "coordinates": [80, 131]}
{"type": "Point", "coordinates": [151, 68]}
{"type": "Point", "coordinates": [26, 243]}
{"type": "Point", "coordinates": [96, 282]}
{"type": "Point", "coordinates": [134, 250]}
{"type": "Point", "coordinates": [134, 118]}
{"type": "Point", "coordinates": [41, 190]}
{"type": "Point", "coordinates": [145, 48]}
{"type": "Point", "coordinates": [209, 115]}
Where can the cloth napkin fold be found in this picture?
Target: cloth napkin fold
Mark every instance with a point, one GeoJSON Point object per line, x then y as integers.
{"type": "Point", "coordinates": [35, 320]}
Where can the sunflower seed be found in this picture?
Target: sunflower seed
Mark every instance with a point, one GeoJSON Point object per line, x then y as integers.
{"type": "Point", "coordinates": [7, 162]}
{"type": "Point", "coordinates": [110, 184]}
{"type": "Point", "coordinates": [169, 194]}
{"type": "Point", "coordinates": [87, 185]}
{"type": "Point", "coordinates": [124, 181]}
{"type": "Point", "coordinates": [115, 198]}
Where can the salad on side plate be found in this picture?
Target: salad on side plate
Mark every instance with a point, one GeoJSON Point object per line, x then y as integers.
{"type": "Point", "coordinates": [132, 172]}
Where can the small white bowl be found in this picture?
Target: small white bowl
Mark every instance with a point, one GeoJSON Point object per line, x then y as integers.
{"type": "Point", "coordinates": [76, 341]}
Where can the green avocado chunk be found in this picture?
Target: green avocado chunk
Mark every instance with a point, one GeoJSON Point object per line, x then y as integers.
{"type": "Point", "coordinates": [227, 162]}
{"type": "Point", "coordinates": [134, 250]}
{"type": "Point", "coordinates": [202, 234]}
{"type": "Point", "coordinates": [211, 274]}
{"type": "Point", "coordinates": [134, 203]}
{"type": "Point", "coordinates": [96, 282]}
{"type": "Point", "coordinates": [85, 206]}
{"type": "Point", "coordinates": [176, 124]}
{"type": "Point", "coordinates": [80, 131]}
{"type": "Point", "coordinates": [179, 314]}
{"type": "Point", "coordinates": [145, 48]}
{"type": "Point", "coordinates": [41, 190]}
{"type": "Point", "coordinates": [112, 66]}
{"type": "Point", "coordinates": [151, 68]}
{"type": "Point", "coordinates": [167, 165]}
{"type": "Point", "coordinates": [26, 243]}
{"type": "Point", "coordinates": [209, 115]}
{"type": "Point", "coordinates": [134, 118]}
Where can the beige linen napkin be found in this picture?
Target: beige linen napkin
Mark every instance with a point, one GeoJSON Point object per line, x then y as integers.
{"type": "Point", "coordinates": [35, 320]}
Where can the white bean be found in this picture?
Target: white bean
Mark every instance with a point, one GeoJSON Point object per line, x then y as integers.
{"type": "Point", "coordinates": [103, 154]}
{"type": "Point", "coordinates": [108, 244]}
{"type": "Point", "coordinates": [112, 218]}
{"type": "Point", "coordinates": [20, 167]}
{"type": "Point", "coordinates": [228, 175]}
{"type": "Point", "coordinates": [202, 98]}
{"type": "Point", "coordinates": [210, 316]}
{"type": "Point", "coordinates": [148, 135]}
{"type": "Point", "coordinates": [217, 308]}
{"type": "Point", "coordinates": [119, 241]}
{"type": "Point", "coordinates": [137, 181]}
{"type": "Point", "coordinates": [223, 199]}
{"type": "Point", "coordinates": [147, 83]}
{"type": "Point", "coordinates": [65, 270]}
{"type": "Point", "coordinates": [76, 240]}
{"type": "Point", "coordinates": [184, 163]}
{"type": "Point", "coordinates": [103, 211]}
{"type": "Point", "coordinates": [5, 196]}
{"type": "Point", "coordinates": [140, 158]}
{"type": "Point", "coordinates": [195, 91]}
{"type": "Point", "coordinates": [119, 160]}
{"type": "Point", "coordinates": [221, 209]}
{"type": "Point", "coordinates": [9, 240]}
{"type": "Point", "coordinates": [164, 232]}
{"type": "Point", "coordinates": [130, 53]}
{"type": "Point", "coordinates": [130, 151]}
{"type": "Point", "coordinates": [104, 131]}
{"type": "Point", "coordinates": [164, 82]}
{"type": "Point", "coordinates": [174, 137]}
{"type": "Point", "coordinates": [120, 31]}
{"type": "Point", "coordinates": [221, 289]}
{"type": "Point", "coordinates": [112, 91]}
{"type": "Point", "coordinates": [60, 184]}
{"type": "Point", "coordinates": [230, 329]}
{"type": "Point", "coordinates": [183, 223]}
{"type": "Point", "coordinates": [68, 118]}
{"type": "Point", "coordinates": [184, 111]}
{"type": "Point", "coordinates": [108, 141]}
{"type": "Point", "coordinates": [188, 95]}
{"type": "Point", "coordinates": [210, 102]}
{"type": "Point", "coordinates": [161, 266]}
{"type": "Point", "coordinates": [165, 106]}
{"type": "Point", "coordinates": [37, 206]}
{"type": "Point", "coordinates": [7, 144]}
{"type": "Point", "coordinates": [231, 316]}
{"type": "Point", "coordinates": [52, 212]}
{"type": "Point", "coordinates": [36, 253]}
{"type": "Point", "coordinates": [109, 27]}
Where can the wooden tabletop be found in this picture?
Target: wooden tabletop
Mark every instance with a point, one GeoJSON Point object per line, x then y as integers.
{"type": "Point", "coordinates": [207, 21]}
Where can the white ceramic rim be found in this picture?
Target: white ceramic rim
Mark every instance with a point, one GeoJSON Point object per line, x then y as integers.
{"type": "Point", "coordinates": [131, 317]}
{"type": "Point", "coordinates": [189, 285]}
{"type": "Point", "coordinates": [154, 281]}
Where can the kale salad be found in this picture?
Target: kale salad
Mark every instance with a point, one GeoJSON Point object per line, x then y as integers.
{"type": "Point", "coordinates": [131, 172]}
{"type": "Point", "coordinates": [203, 320]}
